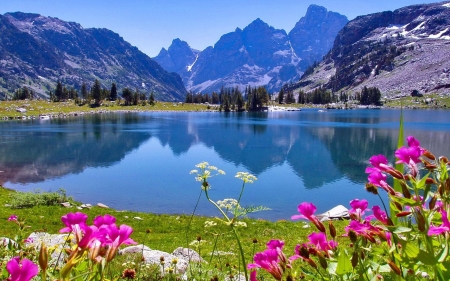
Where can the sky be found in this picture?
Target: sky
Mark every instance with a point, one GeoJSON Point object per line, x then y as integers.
{"type": "Point", "coordinates": [152, 24]}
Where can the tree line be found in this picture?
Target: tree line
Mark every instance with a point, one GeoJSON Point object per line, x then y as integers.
{"type": "Point", "coordinates": [232, 99]}
{"type": "Point", "coordinates": [94, 95]}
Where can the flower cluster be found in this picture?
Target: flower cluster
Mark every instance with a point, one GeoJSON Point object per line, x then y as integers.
{"type": "Point", "coordinates": [98, 242]}
{"type": "Point", "coordinates": [408, 241]}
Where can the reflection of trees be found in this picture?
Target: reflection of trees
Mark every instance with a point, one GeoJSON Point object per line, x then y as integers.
{"type": "Point", "coordinates": [92, 141]}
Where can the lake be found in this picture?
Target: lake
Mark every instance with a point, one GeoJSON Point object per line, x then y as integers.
{"type": "Point", "coordinates": [141, 161]}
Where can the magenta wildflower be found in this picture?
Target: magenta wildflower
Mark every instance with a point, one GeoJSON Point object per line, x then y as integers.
{"type": "Point", "coordinates": [377, 178]}
{"type": "Point", "coordinates": [118, 236]}
{"type": "Point", "coordinates": [73, 222]}
{"type": "Point", "coordinates": [380, 215]}
{"type": "Point", "coordinates": [21, 270]}
{"type": "Point", "coordinates": [104, 220]}
{"type": "Point", "coordinates": [319, 240]}
{"type": "Point", "coordinates": [274, 244]}
{"type": "Point", "coordinates": [379, 162]}
{"type": "Point", "coordinates": [28, 240]}
{"type": "Point", "coordinates": [307, 211]}
{"type": "Point", "coordinates": [445, 227]}
{"type": "Point", "coordinates": [358, 208]}
{"type": "Point", "coordinates": [12, 218]}
{"type": "Point", "coordinates": [267, 260]}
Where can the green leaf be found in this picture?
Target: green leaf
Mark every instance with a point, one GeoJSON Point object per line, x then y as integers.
{"type": "Point", "coordinates": [421, 184]}
{"type": "Point", "coordinates": [406, 201]}
{"type": "Point", "coordinates": [411, 250]}
{"type": "Point", "coordinates": [400, 142]}
{"type": "Point", "coordinates": [444, 253]}
{"type": "Point", "coordinates": [344, 265]}
{"type": "Point", "coordinates": [399, 229]}
{"type": "Point", "coordinates": [426, 258]}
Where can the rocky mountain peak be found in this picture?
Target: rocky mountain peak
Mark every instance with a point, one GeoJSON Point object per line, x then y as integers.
{"type": "Point", "coordinates": [258, 54]}
{"type": "Point", "coordinates": [397, 51]}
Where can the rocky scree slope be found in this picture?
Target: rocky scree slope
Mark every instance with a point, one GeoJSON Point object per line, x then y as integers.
{"type": "Point", "coordinates": [37, 51]}
{"type": "Point", "coordinates": [398, 52]}
{"type": "Point", "coordinates": [257, 55]}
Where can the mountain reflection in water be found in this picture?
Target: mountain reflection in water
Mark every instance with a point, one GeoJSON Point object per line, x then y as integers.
{"type": "Point", "coordinates": [144, 159]}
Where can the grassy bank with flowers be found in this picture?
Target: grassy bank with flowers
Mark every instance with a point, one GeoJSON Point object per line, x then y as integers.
{"type": "Point", "coordinates": [157, 231]}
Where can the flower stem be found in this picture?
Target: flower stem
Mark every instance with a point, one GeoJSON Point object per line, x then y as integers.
{"type": "Point", "coordinates": [241, 252]}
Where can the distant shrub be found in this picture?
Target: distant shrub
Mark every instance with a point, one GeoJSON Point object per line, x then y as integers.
{"type": "Point", "coordinates": [21, 200]}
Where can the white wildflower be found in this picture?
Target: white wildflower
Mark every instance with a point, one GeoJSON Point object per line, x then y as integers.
{"type": "Point", "coordinates": [246, 177]}
{"type": "Point", "coordinates": [210, 223]}
{"type": "Point", "coordinates": [240, 224]}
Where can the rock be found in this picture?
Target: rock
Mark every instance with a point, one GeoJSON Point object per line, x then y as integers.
{"type": "Point", "coordinates": [338, 212]}
{"type": "Point", "coordinates": [86, 206]}
{"type": "Point", "coordinates": [154, 257]}
{"type": "Point", "coordinates": [6, 241]}
{"type": "Point", "coordinates": [187, 254]}
{"type": "Point", "coordinates": [101, 205]}
{"type": "Point", "coordinates": [134, 249]}
{"type": "Point", "coordinates": [138, 218]}
{"type": "Point", "coordinates": [58, 241]}
{"type": "Point", "coordinates": [65, 204]}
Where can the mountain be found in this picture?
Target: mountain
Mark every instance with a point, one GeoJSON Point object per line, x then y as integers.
{"type": "Point", "coordinates": [397, 51]}
{"type": "Point", "coordinates": [37, 51]}
{"type": "Point", "coordinates": [257, 55]}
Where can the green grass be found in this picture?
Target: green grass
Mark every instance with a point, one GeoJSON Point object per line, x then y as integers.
{"type": "Point", "coordinates": [166, 232]}
{"type": "Point", "coordinates": [420, 102]}
{"type": "Point", "coordinates": [35, 108]}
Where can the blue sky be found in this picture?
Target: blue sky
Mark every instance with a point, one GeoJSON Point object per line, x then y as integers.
{"type": "Point", "coordinates": [153, 24]}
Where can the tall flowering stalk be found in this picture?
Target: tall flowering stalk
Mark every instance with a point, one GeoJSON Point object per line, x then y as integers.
{"type": "Point", "coordinates": [203, 173]}
{"type": "Point", "coordinates": [409, 242]}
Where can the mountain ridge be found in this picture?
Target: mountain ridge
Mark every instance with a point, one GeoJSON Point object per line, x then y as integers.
{"type": "Point", "coordinates": [38, 51]}
{"type": "Point", "coordinates": [256, 55]}
{"type": "Point", "coordinates": [399, 52]}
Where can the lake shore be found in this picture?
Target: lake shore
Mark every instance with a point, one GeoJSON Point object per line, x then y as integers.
{"type": "Point", "coordinates": [35, 109]}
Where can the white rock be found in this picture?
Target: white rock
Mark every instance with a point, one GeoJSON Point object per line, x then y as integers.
{"type": "Point", "coordinates": [101, 205]}
{"type": "Point", "coordinates": [338, 212]}
{"type": "Point", "coordinates": [187, 254]}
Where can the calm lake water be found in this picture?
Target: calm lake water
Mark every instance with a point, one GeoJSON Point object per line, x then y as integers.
{"type": "Point", "coordinates": [141, 161]}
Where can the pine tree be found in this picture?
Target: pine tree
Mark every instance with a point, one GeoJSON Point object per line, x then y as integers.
{"type": "Point", "coordinates": [84, 92]}
{"type": "Point", "coordinates": [281, 96]}
{"type": "Point", "coordinates": [151, 98]}
{"type": "Point", "coordinates": [58, 91]}
{"type": "Point", "coordinates": [113, 92]}
{"type": "Point", "coordinates": [96, 93]}
{"type": "Point", "coordinates": [127, 95]}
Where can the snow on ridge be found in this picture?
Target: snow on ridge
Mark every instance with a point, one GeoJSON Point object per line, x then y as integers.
{"type": "Point", "coordinates": [394, 26]}
{"type": "Point", "coordinates": [435, 36]}
{"type": "Point", "coordinates": [189, 67]}
{"type": "Point", "coordinates": [446, 5]}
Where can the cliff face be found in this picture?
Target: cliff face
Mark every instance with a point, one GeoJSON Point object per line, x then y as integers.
{"type": "Point", "coordinates": [257, 55]}
{"type": "Point", "coordinates": [38, 51]}
{"type": "Point", "coordinates": [398, 52]}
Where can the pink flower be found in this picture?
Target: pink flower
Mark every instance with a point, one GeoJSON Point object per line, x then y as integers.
{"type": "Point", "coordinates": [21, 270]}
{"type": "Point", "coordinates": [319, 240]}
{"type": "Point", "coordinates": [274, 244]}
{"type": "Point", "coordinates": [380, 215]}
{"type": "Point", "coordinates": [28, 240]}
{"type": "Point", "coordinates": [445, 227]}
{"type": "Point", "coordinates": [12, 218]}
{"type": "Point", "coordinates": [358, 208]}
{"type": "Point", "coordinates": [267, 260]}
{"type": "Point", "coordinates": [74, 222]}
{"type": "Point", "coordinates": [412, 141]}
{"type": "Point", "coordinates": [378, 179]}
{"type": "Point", "coordinates": [104, 220]}
{"type": "Point", "coordinates": [307, 211]}
{"type": "Point", "coordinates": [118, 236]}
{"type": "Point", "coordinates": [379, 162]}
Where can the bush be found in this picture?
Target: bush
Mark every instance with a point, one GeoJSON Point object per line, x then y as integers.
{"type": "Point", "coordinates": [30, 199]}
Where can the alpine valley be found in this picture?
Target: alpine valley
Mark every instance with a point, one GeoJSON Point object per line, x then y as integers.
{"type": "Point", "coordinates": [257, 55]}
